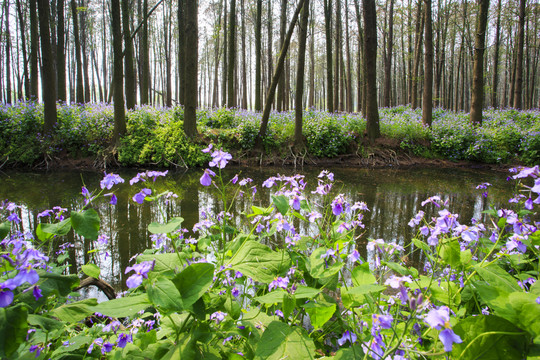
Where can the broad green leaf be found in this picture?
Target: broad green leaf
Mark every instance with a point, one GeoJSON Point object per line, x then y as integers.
{"type": "Point", "coordinates": [319, 313]}
{"type": "Point", "coordinates": [281, 202]}
{"type": "Point", "coordinates": [172, 324]}
{"type": "Point", "coordinates": [193, 282]}
{"type": "Point", "coordinates": [289, 303]}
{"type": "Point", "coordinates": [465, 257]}
{"type": "Point", "coordinates": [232, 307]}
{"type": "Point", "coordinates": [45, 323]}
{"type": "Point", "coordinates": [164, 262]}
{"type": "Point", "coordinates": [280, 341]}
{"type": "Point", "coordinates": [5, 227]}
{"type": "Point", "coordinates": [76, 311]}
{"type": "Point", "coordinates": [496, 299]}
{"type": "Point", "coordinates": [123, 307]}
{"type": "Point", "coordinates": [422, 245]}
{"type": "Point", "coordinates": [172, 225]}
{"type": "Point", "coordinates": [362, 275]}
{"type": "Point", "coordinates": [304, 292]}
{"type": "Point", "coordinates": [45, 231]}
{"type": "Point", "coordinates": [50, 283]}
{"type": "Point", "coordinates": [356, 296]}
{"type": "Point", "coordinates": [75, 343]}
{"type": "Point", "coordinates": [91, 270]}
{"type": "Point", "coordinates": [400, 269]}
{"type": "Point", "coordinates": [259, 262]}
{"type": "Point", "coordinates": [489, 337]}
{"type": "Point", "coordinates": [496, 276]}
{"type": "Point", "coordinates": [86, 223]}
{"type": "Point", "coordinates": [350, 353]}
{"type": "Point", "coordinates": [13, 329]}
{"type": "Point", "coordinates": [450, 253]}
{"type": "Point", "coordinates": [527, 312]}
{"type": "Point", "coordinates": [276, 296]}
{"type": "Point", "coordinates": [163, 293]}
{"type": "Point", "coordinates": [318, 266]}
{"type": "Point", "coordinates": [261, 211]}
{"type": "Point", "coordinates": [445, 292]}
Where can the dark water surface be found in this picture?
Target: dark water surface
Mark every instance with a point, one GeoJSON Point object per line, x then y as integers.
{"type": "Point", "coordinates": [394, 196]}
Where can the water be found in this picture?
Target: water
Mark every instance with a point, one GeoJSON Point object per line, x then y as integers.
{"type": "Point", "coordinates": [393, 196]}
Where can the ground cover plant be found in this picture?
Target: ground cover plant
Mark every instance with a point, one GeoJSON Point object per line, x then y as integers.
{"type": "Point", "coordinates": [250, 286]}
{"type": "Point", "coordinates": [155, 136]}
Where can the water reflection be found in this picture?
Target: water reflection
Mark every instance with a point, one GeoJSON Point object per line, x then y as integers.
{"type": "Point", "coordinates": [393, 196]}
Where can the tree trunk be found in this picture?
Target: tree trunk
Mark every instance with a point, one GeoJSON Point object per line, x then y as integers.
{"type": "Point", "coordinates": [8, 55]}
{"type": "Point", "coordinates": [370, 69]}
{"type": "Point", "coordinates": [275, 78]}
{"type": "Point", "coordinates": [190, 116]}
{"type": "Point", "coordinates": [80, 85]}
{"type": "Point", "coordinates": [231, 99]}
{"type": "Point", "coordinates": [360, 84]}
{"type": "Point", "coordinates": [477, 100]}
{"type": "Point", "coordinates": [302, 39]}
{"type": "Point", "coordinates": [60, 52]}
{"type": "Point", "coordinates": [427, 102]}
{"type": "Point", "coordinates": [311, 98]}
{"type": "Point", "coordinates": [130, 88]}
{"type": "Point", "coordinates": [258, 55]}
{"type": "Point", "coordinates": [337, 58]}
{"type": "Point", "coordinates": [417, 54]}
{"type": "Point", "coordinates": [244, 65]}
{"type": "Point", "coordinates": [48, 76]}
{"type": "Point", "coordinates": [282, 28]}
{"type": "Point", "coordinates": [118, 74]}
{"type": "Point", "coordinates": [519, 57]}
{"type": "Point", "coordinates": [225, 59]}
{"type": "Point", "coordinates": [388, 60]}
{"type": "Point", "coordinates": [34, 44]}
{"type": "Point", "coordinates": [329, 79]}
{"type": "Point", "coordinates": [83, 26]}
{"type": "Point", "coordinates": [348, 50]}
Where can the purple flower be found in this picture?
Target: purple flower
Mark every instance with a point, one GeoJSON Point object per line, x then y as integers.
{"type": "Point", "coordinates": [206, 180]}
{"type": "Point", "coordinates": [416, 220]}
{"type": "Point", "coordinates": [14, 217]}
{"type": "Point", "coordinates": [140, 196]}
{"type": "Point", "coordinates": [515, 243]}
{"type": "Point", "coordinates": [448, 338]}
{"type": "Point", "coordinates": [347, 336]}
{"type": "Point", "coordinates": [354, 256]}
{"type": "Point", "coordinates": [440, 319]}
{"type": "Point", "coordinates": [123, 339]}
{"type": "Point", "coordinates": [37, 292]}
{"type": "Point", "coordinates": [110, 180]}
{"type": "Point", "coordinates": [338, 205]}
{"type": "Point", "coordinates": [279, 282]}
{"type": "Point", "coordinates": [314, 215]}
{"type": "Point", "coordinates": [529, 204]}
{"type": "Point", "coordinates": [220, 159]}
{"type": "Point", "coordinates": [141, 271]}
{"type": "Point", "coordinates": [114, 199]}
{"type": "Point", "coordinates": [279, 313]}
{"type": "Point", "coordinates": [382, 321]}
{"type": "Point", "coordinates": [208, 149]}
{"type": "Point", "coordinates": [218, 316]}
{"type": "Point", "coordinates": [6, 295]}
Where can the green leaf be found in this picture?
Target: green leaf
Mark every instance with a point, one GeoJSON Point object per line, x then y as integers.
{"type": "Point", "coordinates": [489, 337]}
{"type": "Point", "coordinates": [281, 341]}
{"type": "Point", "coordinates": [319, 313]}
{"type": "Point", "coordinates": [76, 311]}
{"type": "Point", "coordinates": [13, 329]}
{"type": "Point", "coordinates": [164, 262]}
{"type": "Point", "coordinates": [259, 262]}
{"type": "Point", "coordinates": [496, 276]}
{"type": "Point", "coordinates": [5, 227]}
{"type": "Point", "coordinates": [465, 257]}
{"type": "Point", "coordinates": [450, 253]}
{"type": "Point", "coordinates": [123, 307]}
{"type": "Point", "coordinates": [91, 270]}
{"type": "Point", "coordinates": [350, 353]}
{"type": "Point", "coordinates": [163, 293]}
{"type": "Point", "coordinates": [261, 211]}
{"type": "Point", "coordinates": [193, 282]}
{"type": "Point", "coordinates": [317, 266]}
{"type": "Point", "coordinates": [172, 225]}
{"type": "Point", "coordinates": [400, 269]}
{"type": "Point", "coordinates": [276, 296]}
{"type": "Point", "coordinates": [289, 303]}
{"type": "Point", "coordinates": [422, 245]}
{"type": "Point", "coordinates": [362, 275]}
{"type": "Point", "coordinates": [86, 223]}
{"type": "Point", "coordinates": [281, 202]}
{"type": "Point", "coordinates": [45, 323]}
{"type": "Point", "coordinates": [75, 343]}
{"type": "Point", "coordinates": [45, 231]}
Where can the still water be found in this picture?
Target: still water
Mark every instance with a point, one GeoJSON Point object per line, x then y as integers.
{"type": "Point", "coordinates": [393, 196]}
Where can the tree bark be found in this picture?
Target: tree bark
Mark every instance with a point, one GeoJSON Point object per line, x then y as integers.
{"type": "Point", "coordinates": [302, 38]}
{"type": "Point", "coordinates": [281, 84]}
{"type": "Point", "coordinates": [48, 77]}
{"type": "Point", "coordinates": [190, 116]}
{"type": "Point", "coordinates": [329, 78]}
{"type": "Point", "coordinates": [477, 100]}
{"type": "Point", "coordinates": [34, 44]}
{"type": "Point", "coordinates": [258, 56]}
{"type": "Point", "coordinates": [427, 103]}
{"type": "Point", "coordinates": [80, 85]}
{"type": "Point", "coordinates": [144, 74]}
{"type": "Point", "coordinates": [8, 55]}
{"type": "Point", "coordinates": [388, 60]}
{"type": "Point", "coordinates": [231, 99]}
{"type": "Point", "coordinates": [244, 65]}
{"type": "Point", "coordinates": [370, 69]}
{"type": "Point", "coordinates": [130, 89]}
{"type": "Point", "coordinates": [417, 54]}
{"type": "Point", "coordinates": [118, 73]}
{"type": "Point", "coordinates": [519, 57]}
{"type": "Point", "coordinates": [60, 52]}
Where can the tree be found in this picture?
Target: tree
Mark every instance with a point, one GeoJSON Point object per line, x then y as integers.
{"type": "Point", "coordinates": [191, 59]}
{"type": "Point", "coordinates": [298, 137]}
{"type": "Point", "coordinates": [8, 56]}
{"type": "Point", "coordinates": [282, 28]}
{"type": "Point", "coordinates": [80, 85]}
{"type": "Point", "coordinates": [388, 57]}
{"type": "Point", "coordinates": [118, 73]}
{"type": "Point", "coordinates": [130, 89]}
{"type": "Point", "coordinates": [417, 54]}
{"type": "Point", "coordinates": [48, 77]}
{"type": "Point", "coordinates": [427, 102]}
{"type": "Point", "coordinates": [370, 69]}
{"type": "Point", "coordinates": [144, 72]}
{"type": "Point", "coordinates": [328, 32]}
{"type": "Point", "coordinates": [34, 44]}
{"type": "Point", "coordinates": [232, 56]}
{"type": "Point", "coordinates": [477, 100]}
{"type": "Point", "coordinates": [258, 56]}
{"type": "Point", "coordinates": [60, 52]}
{"type": "Point", "coordinates": [182, 50]}
{"type": "Point", "coordinates": [519, 57]}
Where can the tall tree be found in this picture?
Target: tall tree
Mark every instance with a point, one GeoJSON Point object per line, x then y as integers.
{"type": "Point", "coordinates": [231, 98]}
{"type": "Point", "coordinates": [328, 32]}
{"type": "Point", "coordinates": [477, 100]}
{"type": "Point", "coordinates": [388, 57]}
{"type": "Point", "coordinates": [60, 52]}
{"type": "Point", "coordinates": [302, 38]}
{"type": "Point", "coordinates": [182, 50]}
{"type": "Point", "coordinates": [282, 29]}
{"type": "Point", "coordinates": [370, 69]}
{"type": "Point", "coordinates": [518, 87]}
{"type": "Point", "coordinates": [417, 54]}
{"type": "Point", "coordinates": [244, 50]}
{"type": "Point", "coordinates": [80, 85]}
{"type": "Point", "coordinates": [22, 27]}
{"type": "Point", "coordinates": [427, 102]}
{"type": "Point", "coordinates": [191, 58]}
{"type": "Point", "coordinates": [129, 70]}
{"type": "Point", "coordinates": [8, 55]}
{"type": "Point", "coordinates": [34, 45]}
{"type": "Point", "coordinates": [258, 56]}
{"type": "Point", "coordinates": [337, 58]}
{"type": "Point", "coordinates": [48, 77]}
{"type": "Point", "coordinates": [118, 73]}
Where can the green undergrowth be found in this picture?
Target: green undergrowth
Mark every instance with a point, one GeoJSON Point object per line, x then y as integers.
{"type": "Point", "coordinates": [155, 135]}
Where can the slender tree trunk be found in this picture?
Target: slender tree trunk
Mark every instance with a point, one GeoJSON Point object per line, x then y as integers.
{"type": "Point", "coordinates": [477, 100]}
{"type": "Point", "coordinates": [80, 85]}
{"type": "Point", "coordinates": [360, 84]}
{"type": "Point", "coordinates": [258, 56]}
{"type": "Point", "coordinates": [83, 25]}
{"type": "Point", "coordinates": [118, 73]}
{"type": "Point", "coordinates": [34, 44]}
{"type": "Point", "coordinates": [370, 69]}
{"type": "Point", "coordinates": [275, 78]}
{"type": "Point", "coordinates": [8, 55]}
{"type": "Point", "coordinates": [244, 65]}
{"type": "Point", "coordinates": [388, 60]}
{"type": "Point", "coordinates": [282, 28]}
{"type": "Point", "coordinates": [225, 58]}
{"type": "Point", "coordinates": [311, 98]}
{"type": "Point", "coordinates": [417, 54]}
{"type": "Point", "coordinates": [519, 57]}
{"type": "Point", "coordinates": [60, 52]}
{"type": "Point", "coordinates": [329, 78]}
{"type": "Point", "coordinates": [427, 103]}
{"type": "Point", "coordinates": [231, 99]}
{"type": "Point", "coordinates": [48, 76]}
{"type": "Point", "coordinates": [302, 39]}
{"type": "Point", "coordinates": [130, 89]}
{"type": "Point", "coordinates": [337, 58]}
{"type": "Point", "coordinates": [190, 116]}
{"type": "Point", "coordinates": [349, 71]}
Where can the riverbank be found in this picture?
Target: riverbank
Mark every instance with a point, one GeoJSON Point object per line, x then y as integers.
{"type": "Point", "coordinates": [155, 139]}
